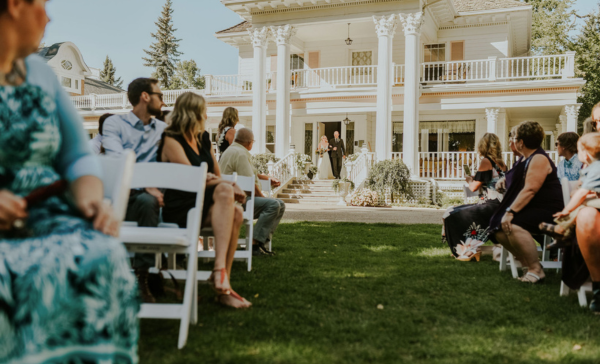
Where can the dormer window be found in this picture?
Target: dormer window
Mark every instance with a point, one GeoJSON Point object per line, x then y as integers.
{"type": "Point", "coordinates": [66, 65]}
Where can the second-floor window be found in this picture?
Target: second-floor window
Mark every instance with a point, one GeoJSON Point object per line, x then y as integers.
{"type": "Point", "coordinates": [296, 62]}
{"type": "Point", "coordinates": [66, 82]}
{"type": "Point", "coordinates": [434, 53]}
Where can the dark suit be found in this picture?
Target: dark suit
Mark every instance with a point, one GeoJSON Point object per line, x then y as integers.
{"type": "Point", "coordinates": [337, 156]}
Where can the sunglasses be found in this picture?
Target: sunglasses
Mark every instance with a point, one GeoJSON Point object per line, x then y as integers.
{"type": "Point", "coordinates": [160, 95]}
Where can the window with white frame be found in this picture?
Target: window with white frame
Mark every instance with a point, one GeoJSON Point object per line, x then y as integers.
{"type": "Point", "coordinates": [362, 58]}
{"type": "Point", "coordinates": [270, 144]}
{"type": "Point", "coordinates": [434, 53]}
{"type": "Point", "coordinates": [296, 62]}
{"type": "Point", "coordinates": [66, 82]}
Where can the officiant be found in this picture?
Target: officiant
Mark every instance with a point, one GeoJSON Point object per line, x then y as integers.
{"type": "Point", "coordinates": [338, 154]}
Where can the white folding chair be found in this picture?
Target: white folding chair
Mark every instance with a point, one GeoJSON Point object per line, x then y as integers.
{"type": "Point", "coordinates": [117, 173]}
{"type": "Point", "coordinates": [171, 240]}
{"type": "Point", "coordinates": [265, 186]}
{"type": "Point", "coordinates": [568, 187]}
{"type": "Point", "coordinates": [247, 184]}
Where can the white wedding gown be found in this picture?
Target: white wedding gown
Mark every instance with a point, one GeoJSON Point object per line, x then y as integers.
{"type": "Point", "coordinates": [324, 167]}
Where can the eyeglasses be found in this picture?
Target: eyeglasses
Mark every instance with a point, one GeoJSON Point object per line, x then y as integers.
{"type": "Point", "coordinates": [556, 144]}
{"type": "Point", "coordinates": [160, 95]}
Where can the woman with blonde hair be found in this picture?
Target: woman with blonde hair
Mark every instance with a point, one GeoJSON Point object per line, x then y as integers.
{"type": "Point", "coordinates": [227, 128]}
{"type": "Point", "coordinates": [466, 227]}
{"type": "Point", "coordinates": [186, 141]}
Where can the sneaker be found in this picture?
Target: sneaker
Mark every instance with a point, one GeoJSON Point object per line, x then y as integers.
{"type": "Point", "coordinates": [595, 304]}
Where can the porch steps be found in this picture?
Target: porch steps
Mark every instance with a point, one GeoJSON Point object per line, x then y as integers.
{"type": "Point", "coordinates": [309, 193]}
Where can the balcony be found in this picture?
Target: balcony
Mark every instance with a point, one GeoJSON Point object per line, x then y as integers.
{"type": "Point", "coordinates": [344, 77]}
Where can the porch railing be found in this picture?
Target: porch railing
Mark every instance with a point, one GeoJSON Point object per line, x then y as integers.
{"type": "Point", "coordinates": [358, 171]}
{"type": "Point", "coordinates": [450, 165]}
{"type": "Point", "coordinates": [284, 170]}
{"type": "Point", "coordinates": [334, 76]}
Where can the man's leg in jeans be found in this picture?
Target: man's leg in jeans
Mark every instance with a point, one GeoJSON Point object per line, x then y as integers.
{"type": "Point", "coordinates": [279, 215]}
{"type": "Point", "coordinates": [267, 212]}
{"type": "Point", "coordinates": [143, 208]}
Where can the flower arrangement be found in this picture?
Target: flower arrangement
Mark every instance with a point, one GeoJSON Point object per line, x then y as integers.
{"type": "Point", "coordinates": [313, 170]}
{"type": "Point", "coordinates": [301, 160]}
{"type": "Point", "coordinates": [336, 184]}
{"type": "Point", "coordinates": [363, 197]}
{"type": "Point", "coordinates": [321, 151]}
{"type": "Point", "coordinates": [260, 161]}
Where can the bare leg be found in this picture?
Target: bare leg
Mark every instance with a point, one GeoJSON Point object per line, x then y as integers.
{"type": "Point", "coordinates": [588, 231]}
{"type": "Point", "coordinates": [238, 219]}
{"type": "Point", "coordinates": [524, 246]}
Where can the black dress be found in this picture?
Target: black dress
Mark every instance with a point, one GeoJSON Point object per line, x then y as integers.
{"type": "Point", "coordinates": [223, 143]}
{"type": "Point", "coordinates": [472, 220]}
{"type": "Point", "coordinates": [546, 202]}
{"type": "Point", "coordinates": [178, 203]}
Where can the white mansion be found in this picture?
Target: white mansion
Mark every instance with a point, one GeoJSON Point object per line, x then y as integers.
{"type": "Point", "coordinates": [418, 79]}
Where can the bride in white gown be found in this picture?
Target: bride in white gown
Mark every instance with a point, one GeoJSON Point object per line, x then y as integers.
{"type": "Point", "coordinates": [324, 166]}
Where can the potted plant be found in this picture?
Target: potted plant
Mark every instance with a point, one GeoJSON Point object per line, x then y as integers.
{"type": "Point", "coordinates": [312, 172]}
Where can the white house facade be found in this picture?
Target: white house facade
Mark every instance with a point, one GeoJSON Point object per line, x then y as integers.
{"type": "Point", "coordinates": [412, 79]}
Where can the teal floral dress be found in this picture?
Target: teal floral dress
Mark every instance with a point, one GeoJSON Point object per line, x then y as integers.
{"type": "Point", "coordinates": [67, 294]}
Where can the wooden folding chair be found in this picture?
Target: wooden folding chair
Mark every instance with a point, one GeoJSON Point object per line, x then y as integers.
{"type": "Point", "coordinates": [246, 184]}
{"type": "Point", "coordinates": [169, 239]}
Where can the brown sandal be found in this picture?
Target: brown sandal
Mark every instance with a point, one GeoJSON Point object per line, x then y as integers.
{"type": "Point", "coordinates": [550, 230]}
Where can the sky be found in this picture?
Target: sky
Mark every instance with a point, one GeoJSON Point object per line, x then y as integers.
{"type": "Point", "coordinates": [121, 29]}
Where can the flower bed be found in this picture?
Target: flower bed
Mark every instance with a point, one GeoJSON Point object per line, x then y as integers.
{"type": "Point", "coordinates": [363, 197]}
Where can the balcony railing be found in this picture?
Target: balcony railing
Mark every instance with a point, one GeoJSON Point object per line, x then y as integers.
{"type": "Point", "coordinates": [455, 72]}
{"type": "Point", "coordinates": [450, 165]}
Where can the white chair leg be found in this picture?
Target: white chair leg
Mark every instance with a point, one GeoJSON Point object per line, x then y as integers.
{"type": "Point", "coordinates": [582, 298]}
{"type": "Point", "coordinates": [194, 318]}
{"type": "Point", "coordinates": [249, 248]}
{"type": "Point", "coordinates": [503, 258]}
{"type": "Point", "coordinates": [157, 261]}
{"type": "Point", "coordinates": [270, 242]}
{"type": "Point", "coordinates": [564, 289]}
{"type": "Point", "coordinates": [513, 266]}
{"type": "Point", "coordinates": [186, 309]}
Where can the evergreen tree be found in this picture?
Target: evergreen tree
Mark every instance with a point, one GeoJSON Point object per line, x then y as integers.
{"type": "Point", "coordinates": [587, 46]}
{"type": "Point", "coordinates": [553, 21]}
{"type": "Point", "coordinates": [163, 53]}
{"type": "Point", "coordinates": [187, 76]}
{"type": "Point", "coordinates": [107, 74]}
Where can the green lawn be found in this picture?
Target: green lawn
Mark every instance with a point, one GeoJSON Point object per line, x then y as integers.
{"type": "Point", "coordinates": [317, 301]}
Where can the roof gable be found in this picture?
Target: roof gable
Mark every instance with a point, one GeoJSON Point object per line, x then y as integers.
{"type": "Point", "coordinates": [241, 27]}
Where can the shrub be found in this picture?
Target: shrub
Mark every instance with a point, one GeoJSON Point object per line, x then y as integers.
{"type": "Point", "coordinates": [363, 197]}
{"type": "Point", "coordinates": [389, 176]}
{"type": "Point", "coordinates": [259, 161]}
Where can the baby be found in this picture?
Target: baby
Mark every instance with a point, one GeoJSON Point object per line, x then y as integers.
{"type": "Point", "coordinates": [589, 154]}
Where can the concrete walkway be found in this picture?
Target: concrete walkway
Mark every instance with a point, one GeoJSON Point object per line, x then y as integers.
{"type": "Point", "coordinates": [370, 215]}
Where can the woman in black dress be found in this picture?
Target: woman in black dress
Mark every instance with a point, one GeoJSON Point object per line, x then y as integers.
{"type": "Point", "coordinates": [227, 128]}
{"type": "Point", "coordinates": [186, 141]}
{"type": "Point", "coordinates": [465, 227]}
{"type": "Point", "coordinates": [533, 196]}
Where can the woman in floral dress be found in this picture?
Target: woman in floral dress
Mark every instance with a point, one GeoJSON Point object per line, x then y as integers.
{"type": "Point", "coordinates": [66, 291]}
{"type": "Point", "coordinates": [465, 227]}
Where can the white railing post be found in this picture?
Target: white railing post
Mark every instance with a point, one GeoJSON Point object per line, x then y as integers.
{"type": "Point", "coordinates": [125, 100]}
{"type": "Point", "coordinates": [492, 68]}
{"type": "Point", "coordinates": [208, 84]}
{"type": "Point", "coordinates": [270, 165]}
{"type": "Point", "coordinates": [569, 66]}
{"type": "Point", "coordinates": [93, 102]}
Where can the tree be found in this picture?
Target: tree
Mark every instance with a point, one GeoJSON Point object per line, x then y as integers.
{"type": "Point", "coordinates": [553, 21]}
{"type": "Point", "coordinates": [187, 76]}
{"type": "Point", "coordinates": [108, 74]}
{"type": "Point", "coordinates": [163, 53]}
{"type": "Point", "coordinates": [587, 46]}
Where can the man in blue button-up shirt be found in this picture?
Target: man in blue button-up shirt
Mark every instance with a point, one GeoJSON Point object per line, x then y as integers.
{"type": "Point", "coordinates": [141, 132]}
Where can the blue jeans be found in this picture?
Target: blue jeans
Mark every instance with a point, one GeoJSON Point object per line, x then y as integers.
{"type": "Point", "coordinates": [269, 212]}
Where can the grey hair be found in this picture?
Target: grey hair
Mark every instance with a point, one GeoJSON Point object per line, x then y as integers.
{"type": "Point", "coordinates": [244, 136]}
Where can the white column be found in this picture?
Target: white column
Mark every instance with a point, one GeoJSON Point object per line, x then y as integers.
{"type": "Point", "coordinates": [572, 112]}
{"type": "Point", "coordinates": [282, 35]}
{"type": "Point", "coordinates": [412, 32]}
{"type": "Point", "coordinates": [260, 41]}
{"type": "Point", "coordinates": [385, 27]}
{"type": "Point", "coordinates": [563, 123]}
{"type": "Point", "coordinates": [492, 120]}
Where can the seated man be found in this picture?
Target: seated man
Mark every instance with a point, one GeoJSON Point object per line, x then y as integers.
{"type": "Point", "coordinates": [268, 211]}
{"type": "Point", "coordinates": [141, 132]}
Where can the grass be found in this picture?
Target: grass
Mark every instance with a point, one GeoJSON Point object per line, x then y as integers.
{"type": "Point", "coordinates": [317, 301]}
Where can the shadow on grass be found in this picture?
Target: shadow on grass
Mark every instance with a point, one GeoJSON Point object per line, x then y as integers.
{"type": "Point", "coordinates": [317, 301]}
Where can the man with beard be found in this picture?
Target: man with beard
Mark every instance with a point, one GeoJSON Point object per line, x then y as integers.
{"type": "Point", "coordinates": [141, 132]}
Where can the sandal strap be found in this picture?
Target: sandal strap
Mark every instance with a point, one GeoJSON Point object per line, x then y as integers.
{"type": "Point", "coordinates": [527, 279]}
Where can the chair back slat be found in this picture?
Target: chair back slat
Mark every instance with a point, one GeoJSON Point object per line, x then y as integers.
{"type": "Point", "coordinates": [167, 175]}
{"type": "Point", "coordinates": [116, 179]}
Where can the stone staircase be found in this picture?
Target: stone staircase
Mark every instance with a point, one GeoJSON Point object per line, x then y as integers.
{"type": "Point", "coordinates": [309, 193]}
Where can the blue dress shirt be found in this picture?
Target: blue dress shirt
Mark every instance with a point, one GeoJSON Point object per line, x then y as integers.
{"type": "Point", "coordinates": [121, 132]}
{"type": "Point", "coordinates": [569, 168]}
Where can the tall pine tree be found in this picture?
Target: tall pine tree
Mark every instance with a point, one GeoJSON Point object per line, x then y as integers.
{"type": "Point", "coordinates": [108, 74]}
{"type": "Point", "coordinates": [553, 21]}
{"type": "Point", "coordinates": [163, 54]}
{"type": "Point", "coordinates": [187, 76]}
{"type": "Point", "coordinates": [587, 46]}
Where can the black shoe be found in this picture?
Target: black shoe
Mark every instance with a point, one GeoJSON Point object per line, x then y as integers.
{"type": "Point", "coordinates": [595, 304]}
{"type": "Point", "coordinates": [257, 251]}
{"type": "Point", "coordinates": [264, 248]}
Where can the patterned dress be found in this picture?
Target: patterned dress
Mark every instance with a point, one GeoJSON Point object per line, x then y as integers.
{"type": "Point", "coordinates": [67, 294]}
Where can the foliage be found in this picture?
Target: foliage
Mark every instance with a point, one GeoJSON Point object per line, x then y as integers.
{"type": "Point", "coordinates": [363, 197]}
{"type": "Point", "coordinates": [163, 54]}
{"type": "Point", "coordinates": [336, 184]}
{"type": "Point", "coordinates": [553, 21]}
{"type": "Point", "coordinates": [107, 74]}
{"type": "Point", "coordinates": [352, 157]}
{"type": "Point", "coordinates": [260, 162]}
{"type": "Point", "coordinates": [301, 160]}
{"type": "Point", "coordinates": [389, 176]}
{"type": "Point", "coordinates": [587, 47]}
{"type": "Point", "coordinates": [187, 76]}
{"type": "Point", "coordinates": [313, 169]}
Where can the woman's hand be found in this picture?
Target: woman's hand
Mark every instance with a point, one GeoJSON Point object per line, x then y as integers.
{"type": "Point", "coordinates": [101, 214]}
{"type": "Point", "coordinates": [239, 194]}
{"type": "Point", "coordinates": [210, 177]}
{"type": "Point", "coordinates": [12, 208]}
{"type": "Point", "coordinates": [507, 223]}
{"type": "Point", "coordinates": [501, 185]}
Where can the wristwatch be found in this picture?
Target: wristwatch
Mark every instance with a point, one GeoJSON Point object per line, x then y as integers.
{"type": "Point", "coordinates": [511, 211]}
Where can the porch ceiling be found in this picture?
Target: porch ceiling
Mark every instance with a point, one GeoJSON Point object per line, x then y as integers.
{"type": "Point", "coordinates": [549, 112]}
